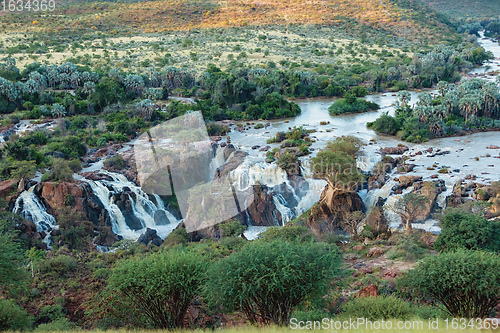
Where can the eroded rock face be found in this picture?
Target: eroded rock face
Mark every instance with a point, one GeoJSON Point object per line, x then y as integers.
{"type": "Point", "coordinates": [394, 150]}
{"type": "Point", "coordinates": [78, 196]}
{"type": "Point", "coordinates": [232, 163]}
{"type": "Point", "coordinates": [333, 206]}
{"type": "Point", "coordinates": [407, 181]}
{"type": "Point", "coordinates": [430, 190]}
{"type": "Point", "coordinates": [380, 174]}
{"type": "Point", "coordinates": [6, 187]}
{"type": "Point", "coordinates": [150, 237]}
{"type": "Point", "coordinates": [262, 211]}
{"type": "Point", "coordinates": [369, 291]}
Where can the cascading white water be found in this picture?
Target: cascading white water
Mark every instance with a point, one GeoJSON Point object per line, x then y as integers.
{"type": "Point", "coordinates": [269, 174]}
{"type": "Point", "coordinates": [261, 173]}
{"type": "Point", "coordinates": [370, 198]}
{"type": "Point", "coordinates": [29, 206]}
{"type": "Point", "coordinates": [287, 214]}
{"type": "Point", "coordinates": [217, 161]}
{"type": "Point", "coordinates": [316, 187]}
{"type": "Point", "coordinates": [142, 207]}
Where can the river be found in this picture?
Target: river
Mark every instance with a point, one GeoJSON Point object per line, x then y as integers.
{"type": "Point", "coordinates": [254, 170]}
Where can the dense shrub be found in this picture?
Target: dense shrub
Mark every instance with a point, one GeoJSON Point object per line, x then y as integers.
{"type": "Point", "coordinates": [466, 283]}
{"type": "Point", "coordinates": [352, 105]}
{"type": "Point", "coordinates": [161, 284]}
{"type": "Point", "coordinates": [293, 272]}
{"type": "Point", "coordinates": [116, 162]}
{"type": "Point", "coordinates": [376, 308]}
{"type": "Point", "coordinates": [13, 317]}
{"type": "Point", "coordinates": [466, 230]}
{"type": "Point", "coordinates": [61, 265]}
{"type": "Point", "coordinates": [385, 124]}
{"type": "Point", "coordinates": [408, 247]}
{"type": "Point", "coordinates": [214, 129]}
{"type": "Point", "coordinates": [63, 170]}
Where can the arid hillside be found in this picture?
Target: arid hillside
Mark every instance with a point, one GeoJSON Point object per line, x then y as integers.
{"type": "Point", "coordinates": [464, 9]}
{"type": "Point", "coordinates": [404, 18]}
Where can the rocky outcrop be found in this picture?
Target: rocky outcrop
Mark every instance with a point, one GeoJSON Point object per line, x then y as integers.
{"type": "Point", "coordinates": [407, 181]}
{"type": "Point", "coordinates": [494, 209]}
{"type": "Point", "coordinates": [160, 217]}
{"type": "Point", "coordinates": [400, 150]}
{"type": "Point", "coordinates": [262, 211]}
{"type": "Point", "coordinates": [381, 171]}
{"type": "Point", "coordinates": [332, 208]}
{"type": "Point", "coordinates": [228, 150]}
{"type": "Point", "coordinates": [77, 196]}
{"type": "Point", "coordinates": [150, 237]}
{"type": "Point", "coordinates": [28, 233]}
{"type": "Point", "coordinates": [430, 190]}
{"type": "Point", "coordinates": [369, 291]}
{"type": "Point", "coordinates": [374, 252]}
{"type": "Point", "coordinates": [232, 163]}
{"type": "Point", "coordinates": [6, 187]}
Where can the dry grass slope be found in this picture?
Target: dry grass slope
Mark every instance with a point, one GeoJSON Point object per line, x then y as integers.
{"type": "Point", "coordinates": [167, 15]}
{"type": "Point", "coordinates": [463, 9]}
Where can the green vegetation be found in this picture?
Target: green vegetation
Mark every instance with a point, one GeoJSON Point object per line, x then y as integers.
{"type": "Point", "coordinates": [336, 163]}
{"type": "Point", "coordinates": [162, 284]}
{"type": "Point", "coordinates": [108, 78]}
{"type": "Point", "coordinates": [13, 317]}
{"type": "Point", "coordinates": [465, 283]}
{"type": "Point", "coordinates": [466, 230]}
{"type": "Point", "coordinates": [473, 104]}
{"type": "Point", "coordinates": [465, 9]}
{"type": "Point", "coordinates": [292, 272]}
{"type": "Point", "coordinates": [383, 307]}
{"type": "Point", "coordinates": [351, 104]}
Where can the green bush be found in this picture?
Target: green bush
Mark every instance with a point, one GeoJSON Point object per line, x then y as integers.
{"type": "Point", "coordinates": [269, 279]}
{"type": "Point", "coordinates": [61, 324]}
{"type": "Point", "coordinates": [231, 228]}
{"type": "Point", "coordinates": [407, 247]}
{"type": "Point", "coordinates": [311, 315]}
{"type": "Point", "coordinates": [287, 234]}
{"type": "Point", "coordinates": [116, 162]}
{"type": "Point", "coordinates": [60, 265]}
{"type": "Point", "coordinates": [162, 284]}
{"type": "Point", "coordinates": [176, 237]}
{"type": "Point", "coordinates": [376, 308]}
{"type": "Point", "coordinates": [385, 124]}
{"type": "Point", "coordinates": [351, 104]}
{"type": "Point", "coordinates": [13, 317]}
{"type": "Point", "coordinates": [466, 283]}
{"type": "Point", "coordinates": [288, 162]}
{"type": "Point", "coordinates": [63, 170]}
{"type": "Point", "coordinates": [460, 229]}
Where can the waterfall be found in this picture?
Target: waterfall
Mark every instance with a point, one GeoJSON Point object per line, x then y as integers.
{"type": "Point", "coordinates": [143, 208]}
{"type": "Point", "coordinates": [217, 161]}
{"type": "Point", "coordinates": [316, 187]}
{"type": "Point", "coordinates": [29, 206]}
{"type": "Point", "coordinates": [287, 214]}
{"type": "Point", "coordinates": [261, 173]}
{"type": "Point", "coordinates": [269, 174]}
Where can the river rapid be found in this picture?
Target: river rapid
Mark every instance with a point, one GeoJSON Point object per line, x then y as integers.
{"type": "Point", "coordinates": [463, 152]}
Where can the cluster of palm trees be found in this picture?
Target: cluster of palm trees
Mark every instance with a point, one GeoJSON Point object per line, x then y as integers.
{"type": "Point", "coordinates": [471, 99]}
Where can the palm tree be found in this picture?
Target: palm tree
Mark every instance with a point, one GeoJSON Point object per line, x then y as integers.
{"type": "Point", "coordinates": [58, 110]}
{"type": "Point", "coordinates": [88, 89]}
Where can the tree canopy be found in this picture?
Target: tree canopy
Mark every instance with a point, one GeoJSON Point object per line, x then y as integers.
{"type": "Point", "coordinates": [269, 279]}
